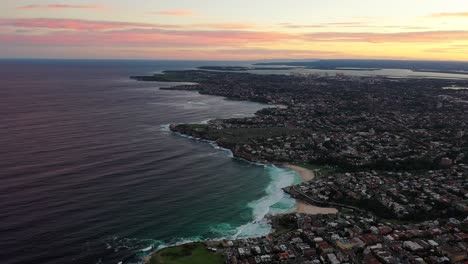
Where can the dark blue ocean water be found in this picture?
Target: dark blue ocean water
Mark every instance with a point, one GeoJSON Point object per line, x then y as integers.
{"type": "Point", "coordinates": [89, 172]}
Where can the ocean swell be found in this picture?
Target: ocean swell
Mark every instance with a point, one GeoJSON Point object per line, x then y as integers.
{"type": "Point", "coordinates": [275, 201]}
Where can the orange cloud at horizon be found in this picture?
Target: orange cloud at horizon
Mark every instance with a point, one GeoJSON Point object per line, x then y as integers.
{"type": "Point", "coordinates": [398, 37]}
{"type": "Point", "coordinates": [442, 15]}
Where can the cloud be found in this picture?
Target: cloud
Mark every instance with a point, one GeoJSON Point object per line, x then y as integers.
{"type": "Point", "coordinates": [233, 38]}
{"type": "Point", "coordinates": [279, 53]}
{"type": "Point", "coordinates": [197, 53]}
{"type": "Point", "coordinates": [157, 37]}
{"type": "Point", "coordinates": [77, 24]}
{"type": "Point", "coordinates": [176, 12]}
{"type": "Point", "coordinates": [148, 38]}
{"type": "Point", "coordinates": [58, 6]}
{"type": "Point", "coordinates": [226, 25]}
{"type": "Point", "coordinates": [449, 49]}
{"type": "Point", "coordinates": [348, 25]}
{"type": "Point", "coordinates": [443, 15]}
{"type": "Point", "coordinates": [256, 54]}
{"type": "Point", "coordinates": [324, 25]}
{"type": "Point", "coordinates": [290, 25]}
{"type": "Point", "coordinates": [398, 37]}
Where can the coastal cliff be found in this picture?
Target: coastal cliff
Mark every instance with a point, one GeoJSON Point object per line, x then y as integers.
{"type": "Point", "coordinates": [229, 141]}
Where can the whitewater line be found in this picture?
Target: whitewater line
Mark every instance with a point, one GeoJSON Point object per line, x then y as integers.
{"type": "Point", "coordinates": [264, 205]}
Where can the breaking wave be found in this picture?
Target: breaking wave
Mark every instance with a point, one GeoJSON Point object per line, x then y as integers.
{"type": "Point", "coordinates": [274, 202]}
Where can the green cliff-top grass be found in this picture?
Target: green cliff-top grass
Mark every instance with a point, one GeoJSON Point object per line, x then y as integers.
{"type": "Point", "coordinates": [195, 253]}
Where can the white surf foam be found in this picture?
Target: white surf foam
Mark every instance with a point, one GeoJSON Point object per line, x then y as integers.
{"type": "Point", "coordinates": [275, 202]}
{"type": "Point", "coordinates": [165, 128]}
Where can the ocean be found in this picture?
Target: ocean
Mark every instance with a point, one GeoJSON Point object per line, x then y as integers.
{"type": "Point", "coordinates": [90, 172]}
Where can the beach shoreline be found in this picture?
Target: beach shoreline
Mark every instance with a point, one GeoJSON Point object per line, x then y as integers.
{"type": "Point", "coordinates": [306, 174]}
{"type": "Point", "coordinates": [301, 206]}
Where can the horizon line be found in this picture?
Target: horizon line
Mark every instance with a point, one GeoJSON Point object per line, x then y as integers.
{"type": "Point", "coordinates": [230, 60]}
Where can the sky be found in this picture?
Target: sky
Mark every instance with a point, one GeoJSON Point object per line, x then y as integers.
{"type": "Point", "coordinates": [234, 29]}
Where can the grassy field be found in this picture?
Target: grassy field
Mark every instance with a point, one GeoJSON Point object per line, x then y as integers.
{"type": "Point", "coordinates": [195, 253]}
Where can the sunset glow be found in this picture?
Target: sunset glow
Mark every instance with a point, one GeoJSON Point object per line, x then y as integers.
{"type": "Point", "coordinates": [234, 30]}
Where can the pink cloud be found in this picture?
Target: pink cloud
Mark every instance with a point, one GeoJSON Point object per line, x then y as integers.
{"type": "Point", "coordinates": [92, 34]}
{"type": "Point", "coordinates": [79, 24]}
{"type": "Point", "coordinates": [76, 24]}
{"type": "Point", "coordinates": [176, 12]}
{"type": "Point", "coordinates": [57, 6]}
{"type": "Point", "coordinates": [147, 38]}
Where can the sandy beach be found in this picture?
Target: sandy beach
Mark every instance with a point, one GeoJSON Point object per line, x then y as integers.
{"type": "Point", "coordinates": [306, 174]}
{"type": "Point", "coordinates": [303, 207]}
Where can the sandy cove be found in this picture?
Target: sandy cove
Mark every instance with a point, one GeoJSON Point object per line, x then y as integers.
{"type": "Point", "coordinates": [306, 174]}
{"type": "Point", "coordinates": [302, 207]}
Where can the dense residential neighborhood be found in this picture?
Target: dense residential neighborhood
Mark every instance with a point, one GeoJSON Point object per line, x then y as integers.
{"type": "Point", "coordinates": [353, 238]}
{"type": "Point", "coordinates": [352, 122]}
{"type": "Point", "coordinates": [407, 195]}
{"type": "Point", "coordinates": [398, 150]}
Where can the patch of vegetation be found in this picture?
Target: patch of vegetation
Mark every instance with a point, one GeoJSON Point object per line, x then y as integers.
{"type": "Point", "coordinates": [224, 68]}
{"type": "Point", "coordinates": [324, 170]}
{"type": "Point", "coordinates": [347, 211]}
{"type": "Point", "coordinates": [234, 136]}
{"type": "Point", "coordinates": [195, 253]}
{"type": "Point", "coordinates": [397, 221]}
{"type": "Point", "coordinates": [284, 224]}
{"type": "Point", "coordinates": [198, 128]}
{"type": "Point", "coordinates": [241, 68]}
{"type": "Point", "coordinates": [176, 76]}
{"type": "Point", "coordinates": [464, 227]}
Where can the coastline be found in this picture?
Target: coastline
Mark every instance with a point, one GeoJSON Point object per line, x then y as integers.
{"type": "Point", "coordinates": [301, 206]}
{"type": "Point", "coordinates": [305, 208]}
{"type": "Point", "coordinates": [306, 174]}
